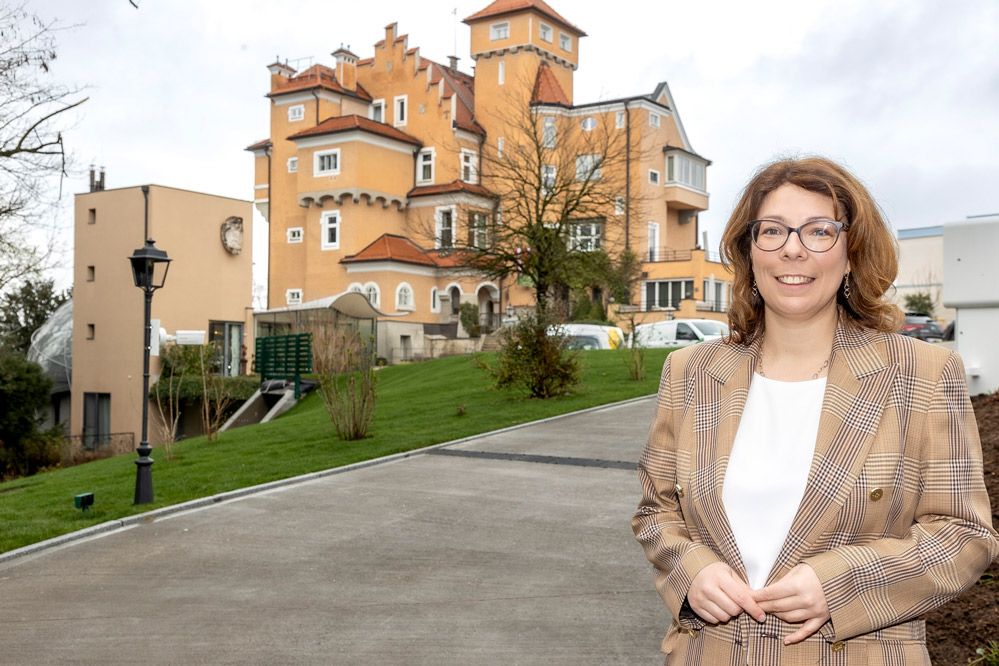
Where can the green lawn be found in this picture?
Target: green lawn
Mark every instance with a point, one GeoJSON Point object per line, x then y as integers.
{"type": "Point", "coordinates": [417, 406]}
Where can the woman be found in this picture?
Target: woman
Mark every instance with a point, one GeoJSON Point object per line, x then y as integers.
{"type": "Point", "coordinates": [813, 484]}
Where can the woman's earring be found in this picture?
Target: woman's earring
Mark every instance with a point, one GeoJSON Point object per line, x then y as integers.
{"type": "Point", "coordinates": [846, 286]}
{"type": "Point", "coordinates": [754, 291]}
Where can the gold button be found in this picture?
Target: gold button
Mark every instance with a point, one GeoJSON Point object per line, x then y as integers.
{"type": "Point", "coordinates": [679, 490]}
{"type": "Point", "coordinates": [838, 646]}
{"type": "Point", "coordinates": [685, 631]}
{"type": "Point", "coordinates": [877, 494]}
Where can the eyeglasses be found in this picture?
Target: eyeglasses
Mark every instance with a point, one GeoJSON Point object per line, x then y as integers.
{"type": "Point", "coordinates": [816, 235]}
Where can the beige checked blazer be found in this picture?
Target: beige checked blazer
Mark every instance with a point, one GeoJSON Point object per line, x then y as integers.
{"type": "Point", "coordinates": [894, 520]}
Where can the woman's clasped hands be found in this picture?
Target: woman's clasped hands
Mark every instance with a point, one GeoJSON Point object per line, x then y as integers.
{"type": "Point", "coordinates": [717, 594]}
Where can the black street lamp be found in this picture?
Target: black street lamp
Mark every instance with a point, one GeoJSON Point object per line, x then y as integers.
{"type": "Point", "coordinates": [149, 270]}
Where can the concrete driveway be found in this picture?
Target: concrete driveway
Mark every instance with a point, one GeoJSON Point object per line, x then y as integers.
{"type": "Point", "coordinates": [484, 552]}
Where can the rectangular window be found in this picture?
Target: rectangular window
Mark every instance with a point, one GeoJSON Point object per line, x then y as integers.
{"type": "Point", "coordinates": [469, 169]}
{"type": "Point", "coordinates": [502, 72]}
{"type": "Point", "coordinates": [91, 331]}
{"type": "Point", "coordinates": [425, 166]}
{"type": "Point", "coordinates": [619, 119]}
{"type": "Point", "coordinates": [653, 254]}
{"type": "Point", "coordinates": [227, 339]}
{"type": "Point", "coordinates": [91, 273]}
{"type": "Point", "coordinates": [296, 113]}
{"type": "Point", "coordinates": [92, 216]}
{"type": "Point", "coordinates": [330, 225]}
{"type": "Point", "coordinates": [377, 111]}
{"type": "Point", "coordinates": [499, 146]}
{"type": "Point", "coordinates": [548, 178]}
{"type": "Point", "coordinates": [292, 165]}
{"type": "Point", "coordinates": [662, 294]}
{"type": "Point", "coordinates": [549, 134]}
{"type": "Point", "coordinates": [478, 230]}
{"type": "Point", "coordinates": [499, 31]}
{"type": "Point", "coordinates": [294, 235]}
{"type": "Point", "coordinates": [588, 167]}
{"type": "Point", "coordinates": [565, 41]}
{"type": "Point", "coordinates": [589, 124]}
{"type": "Point", "coordinates": [585, 236]}
{"type": "Point", "coordinates": [619, 205]}
{"type": "Point", "coordinates": [400, 110]}
{"type": "Point", "coordinates": [445, 228]}
{"type": "Point", "coordinates": [653, 177]}
{"type": "Point", "coordinates": [670, 165]}
{"type": "Point", "coordinates": [653, 120]}
{"type": "Point", "coordinates": [546, 32]}
{"type": "Point", "coordinates": [326, 163]}
{"type": "Point", "coordinates": [687, 171]}
{"type": "Point", "coordinates": [96, 420]}
{"type": "Point", "coordinates": [293, 296]}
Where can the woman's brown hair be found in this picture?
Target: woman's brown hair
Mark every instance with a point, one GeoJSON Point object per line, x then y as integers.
{"type": "Point", "coordinates": [870, 245]}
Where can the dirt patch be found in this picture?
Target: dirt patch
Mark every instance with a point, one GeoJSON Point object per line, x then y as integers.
{"type": "Point", "coordinates": [955, 630]}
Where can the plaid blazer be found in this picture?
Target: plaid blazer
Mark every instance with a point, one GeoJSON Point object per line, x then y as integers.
{"type": "Point", "coordinates": [894, 520]}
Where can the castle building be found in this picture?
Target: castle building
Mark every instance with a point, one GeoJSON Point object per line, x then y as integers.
{"type": "Point", "coordinates": [377, 168]}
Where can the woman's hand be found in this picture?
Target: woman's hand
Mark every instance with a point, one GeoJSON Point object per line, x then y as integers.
{"type": "Point", "coordinates": [797, 598]}
{"type": "Point", "coordinates": [717, 594]}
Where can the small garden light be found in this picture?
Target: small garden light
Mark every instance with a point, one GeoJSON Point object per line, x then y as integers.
{"type": "Point", "coordinates": [84, 501]}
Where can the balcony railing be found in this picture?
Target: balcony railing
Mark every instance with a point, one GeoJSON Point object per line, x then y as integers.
{"type": "Point", "coordinates": [712, 306]}
{"type": "Point", "coordinates": [665, 255]}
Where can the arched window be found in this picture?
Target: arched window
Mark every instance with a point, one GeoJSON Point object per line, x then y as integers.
{"type": "Point", "coordinates": [371, 291]}
{"type": "Point", "coordinates": [455, 294]}
{"type": "Point", "coordinates": [404, 297]}
{"type": "Point", "coordinates": [435, 304]}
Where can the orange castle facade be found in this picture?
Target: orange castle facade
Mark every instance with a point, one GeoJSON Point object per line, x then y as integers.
{"type": "Point", "coordinates": [374, 170]}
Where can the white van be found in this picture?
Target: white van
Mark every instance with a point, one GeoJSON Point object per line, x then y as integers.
{"type": "Point", "coordinates": [678, 332]}
{"type": "Point", "coordinates": [589, 336]}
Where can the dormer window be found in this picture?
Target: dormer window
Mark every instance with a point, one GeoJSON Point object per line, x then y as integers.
{"type": "Point", "coordinates": [377, 111]}
{"type": "Point", "coordinates": [565, 41]}
{"type": "Point", "coordinates": [546, 33]}
{"type": "Point", "coordinates": [499, 31]}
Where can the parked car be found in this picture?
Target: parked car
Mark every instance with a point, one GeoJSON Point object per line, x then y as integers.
{"type": "Point", "coordinates": [921, 326]}
{"type": "Point", "coordinates": [678, 332]}
{"type": "Point", "coordinates": [589, 336]}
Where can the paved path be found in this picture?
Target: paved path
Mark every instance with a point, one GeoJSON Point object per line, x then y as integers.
{"type": "Point", "coordinates": [479, 553]}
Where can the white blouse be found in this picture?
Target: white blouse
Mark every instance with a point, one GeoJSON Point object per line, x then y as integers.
{"type": "Point", "coordinates": [768, 468]}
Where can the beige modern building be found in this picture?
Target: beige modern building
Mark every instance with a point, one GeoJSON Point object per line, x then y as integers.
{"type": "Point", "coordinates": [208, 288]}
{"type": "Point", "coordinates": [921, 268]}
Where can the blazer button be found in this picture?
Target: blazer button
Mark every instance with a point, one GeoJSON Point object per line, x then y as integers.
{"type": "Point", "coordinates": [685, 631]}
{"type": "Point", "coordinates": [837, 646]}
{"type": "Point", "coordinates": [679, 490]}
{"type": "Point", "coordinates": [877, 494]}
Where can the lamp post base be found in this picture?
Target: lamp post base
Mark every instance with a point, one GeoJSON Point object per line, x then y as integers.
{"type": "Point", "coordinates": [144, 476]}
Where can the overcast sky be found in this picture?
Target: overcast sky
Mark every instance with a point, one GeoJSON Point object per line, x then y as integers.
{"type": "Point", "coordinates": [904, 92]}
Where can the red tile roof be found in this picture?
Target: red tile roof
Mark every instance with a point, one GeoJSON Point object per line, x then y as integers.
{"type": "Point", "coordinates": [500, 7]}
{"type": "Point", "coordinates": [338, 124]}
{"type": "Point", "coordinates": [547, 89]}
{"type": "Point", "coordinates": [318, 76]}
{"type": "Point", "coordinates": [391, 247]}
{"type": "Point", "coordinates": [259, 145]}
{"type": "Point", "coordinates": [446, 188]}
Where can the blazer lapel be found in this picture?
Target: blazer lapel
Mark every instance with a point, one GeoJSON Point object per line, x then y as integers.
{"type": "Point", "coordinates": [725, 385]}
{"type": "Point", "coordinates": [856, 391]}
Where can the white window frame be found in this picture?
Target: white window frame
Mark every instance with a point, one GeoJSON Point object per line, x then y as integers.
{"type": "Point", "coordinates": [589, 124]}
{"type": "Point", "coordinates": [654, 119]}
{"type": "Point", "coordinates": [400, 110]}
{"type": "Point", "coordinates": [435, 301]}
{"type": "Point", "coordinates": [372, 288]}
{"type": "Point", "coordinates": [355, 288]}
{"type": "Point", "coordinates": [548, 174]}
{"type": "Point", "coordinates": [296, 113]}
{"type": "Point", "coordinates": [330, 219]}
{"type": "Point", "coordinates": [653, 241]}
{"type": "Point", "coordinates": [500, 144]}
{"type": "Point", "coordinates": [432, 154]}
{"type": "Point", "coordinates": [619, 119]}
{"type": "Point", "coordinates": [549, 132]}
{"type": "Point", "coordinates": [565, 42]}
{"type": "Point", "coordinates": [686, 171]}
{"type": "Point", "coordinates": [316, 158]}
{"type": "Point", "coordinates": [498, 31]}
{"type": "Point", "coordinates": [546, 29]}
{"type": "Point", "coordinates": [501, 72]}
{"type": "Point", "coordinates": [584, 165]}
{"type": "Point", "coordinates": [295, 235]}
{"type": "Point", "coordinates": [654, 178]}
{"type": "Point", "coordinates": [478, 237]}
{"type": "Point", "coordinates": [379, 104]}
{"type": "Point", "coordinates": [589, 242]}
{"type": "Point", "coordinates": [399, 304]}
{"type": "Point", "coordinates": [619, 205]}
{"type": "Point", "coordinates": [439, 226]}
{"type": "Point", "coordinates": [293, 296]}
{"type": "Point", "coordinates": [468, 159]}
{"type": "Point", "coordinates": [292, 165]}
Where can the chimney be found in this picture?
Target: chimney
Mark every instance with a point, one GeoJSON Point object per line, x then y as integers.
{"type": "Point", "coordinates": [280, 73]}
{"type": "Point", "coordinates": [453, 60]}
{"type": "Point", "coordinates": [100, 181]}
{"type": "Point", "coordinates": [92, 189]}
{"type": "Point", "coordinates": [346, 67]}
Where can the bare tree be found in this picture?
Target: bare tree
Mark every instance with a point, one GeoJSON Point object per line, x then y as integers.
{"type": "Point", "coordinates": [32, 151]}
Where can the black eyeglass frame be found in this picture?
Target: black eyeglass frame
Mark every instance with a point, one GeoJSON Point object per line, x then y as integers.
{"type": "Point", "coordinates": [755, 225]}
